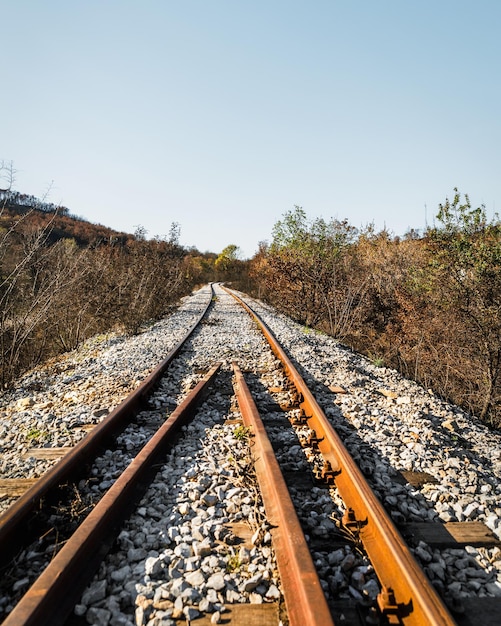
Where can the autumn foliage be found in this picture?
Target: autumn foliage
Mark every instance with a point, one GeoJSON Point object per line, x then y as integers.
{"type": "Point", "coordinates": [63, 280]}
{"type": "Point", "coordinates": [427, 305]}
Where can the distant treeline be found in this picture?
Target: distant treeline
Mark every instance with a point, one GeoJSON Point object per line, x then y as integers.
{"type": "Point", "coordinates": [25, 201]}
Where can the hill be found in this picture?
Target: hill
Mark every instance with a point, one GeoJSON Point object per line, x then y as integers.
{"type": "Point", "coordinates": [58, 221]}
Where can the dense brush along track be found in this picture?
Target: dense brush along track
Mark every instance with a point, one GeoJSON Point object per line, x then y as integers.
{"type": "Point", "coordinates": [209, 537]}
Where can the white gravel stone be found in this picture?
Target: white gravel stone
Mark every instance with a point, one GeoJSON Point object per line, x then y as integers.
{"type": "Point", "coordinates": [97, 616]}
{"type": "Point", "coordinates": [216, 582]}
{"type": "Point", "coordinates": [95, 592]}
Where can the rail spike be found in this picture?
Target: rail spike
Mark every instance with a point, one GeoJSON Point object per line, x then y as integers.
{"type": "Point", "coordinates": [393, 612]}
{"type": "Point", "coordinates": [326, 474]}
{"type": "Point", "coordinates": [350, 520]}
{"type": "Point", "coordinates": [312, 439]}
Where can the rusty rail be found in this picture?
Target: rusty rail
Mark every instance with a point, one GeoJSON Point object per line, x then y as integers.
{"type": "Point", "coordinates": [14, 519]}
{"type": "Point", "coordinates": [407, 597]}
{"type": "Point", "coordinates": [303, 594]}
{"type": "Point", "coordinates": [52, 596]}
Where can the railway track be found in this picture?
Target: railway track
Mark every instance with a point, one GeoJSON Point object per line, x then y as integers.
{"type": "Point", "coordinates": [354, 535]}
{"type": "Point", "coordinates": [17, 522]}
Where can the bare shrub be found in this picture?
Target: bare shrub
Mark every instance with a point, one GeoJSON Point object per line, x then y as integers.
{"type": "Point", "coordinates": [429, 306]}
{"type": "Point", "coordinates": [55, 293]}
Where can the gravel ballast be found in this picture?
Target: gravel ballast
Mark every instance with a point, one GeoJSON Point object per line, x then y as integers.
{"type": "Point", "coordinates": [179, 554]}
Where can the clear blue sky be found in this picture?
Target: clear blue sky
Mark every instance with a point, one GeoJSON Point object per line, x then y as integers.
{"type": "Point", "coordinates": [221, 115]}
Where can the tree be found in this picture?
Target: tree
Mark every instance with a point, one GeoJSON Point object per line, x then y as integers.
{"type": "Point", "coordinates": [466, 250]}
{"type": "Point", "coordinates": [308, 264]}
{"type": "Point", "coordinates": [227, 258]}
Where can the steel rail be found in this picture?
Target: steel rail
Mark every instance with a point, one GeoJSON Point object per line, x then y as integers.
{"type": "Point", "coordinates": [13, 520]}
{"type": "Point", "coordinates": [407, 596]}
{"type": "Point", "coordinates": [52, 596]}
{"type": "Point", "coordinates": [303, 594]}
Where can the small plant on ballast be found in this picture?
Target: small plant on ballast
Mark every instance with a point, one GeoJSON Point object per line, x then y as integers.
{"type": "Point", "coordinates": [35, 435]}
{"type": "Point", "coordinates": [233, 564]}
{"type": "Point", "coordinates": [242, 433]}
{"type": "Point", "coordinates": [377, 360]}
